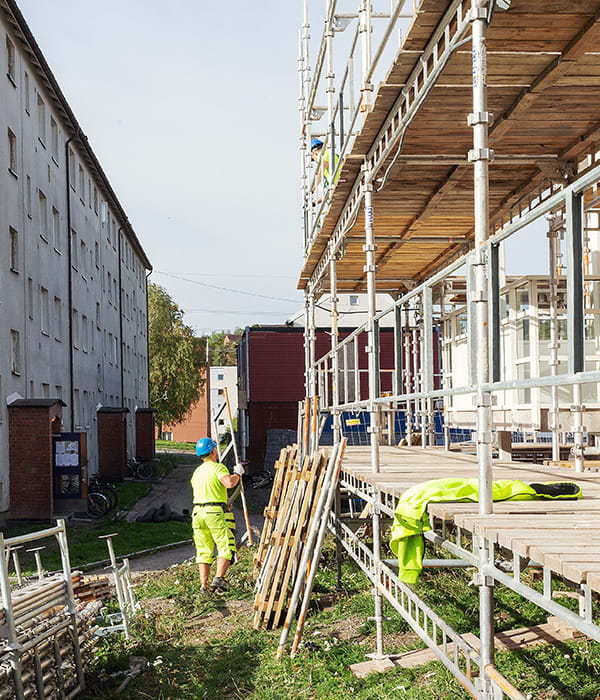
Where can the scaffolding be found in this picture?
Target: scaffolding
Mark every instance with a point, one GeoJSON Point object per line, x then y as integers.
{"type": "Point", "coordinates": [418, 182]}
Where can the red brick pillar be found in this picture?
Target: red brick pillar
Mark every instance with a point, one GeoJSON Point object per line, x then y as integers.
{"type": "Point", "coordinates": [112, 443]}
{"type": "Point", "coordinates": [30, 457]}
{"type": "Point", "coordinates": [145, 446]}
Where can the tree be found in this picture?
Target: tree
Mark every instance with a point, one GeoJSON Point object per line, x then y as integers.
{"type": "Point", "coordinates": [222, 347]}
{"type": "Point", "coordinates": [176, 359]}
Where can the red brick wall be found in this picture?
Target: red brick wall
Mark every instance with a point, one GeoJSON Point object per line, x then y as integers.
{"type": "Point", "coordinates": [112, 445]}
{"type": "Point", "coordinates": [145, 447]}
{"type": "Point", "coordinates": [197, 424]}
{"type": "Point", "coordinates": [30, 459]}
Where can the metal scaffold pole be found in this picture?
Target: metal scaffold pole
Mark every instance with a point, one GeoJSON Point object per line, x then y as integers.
{"type": "Point", "coordinates": [480, 156]}
{"type": "Point", "coordinates": [554, 226]}
{"type": "Point", "coordinates": [373, 352]}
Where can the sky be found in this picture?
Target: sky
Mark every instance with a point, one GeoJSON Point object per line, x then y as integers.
{"type": "Point", "coordinates": [192, 109]}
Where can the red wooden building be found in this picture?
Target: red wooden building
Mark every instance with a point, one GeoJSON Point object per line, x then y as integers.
{"type": "Point", "coordinates": [271, 380]}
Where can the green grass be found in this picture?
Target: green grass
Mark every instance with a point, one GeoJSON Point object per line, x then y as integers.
{"type": "Point", "coordinates": [170, 445]}
{"type": "Point", "coordinates": [203, 646]}
{"type": "Point", "coordinates": [130, 492]}
{"type": "Point", "coordinates": [85, 547]}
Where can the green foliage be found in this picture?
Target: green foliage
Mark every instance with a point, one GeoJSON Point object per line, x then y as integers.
{"type": "Point", "coordinates": [222, 348]}
{"type": "Point", "coordinates": [176, 359]}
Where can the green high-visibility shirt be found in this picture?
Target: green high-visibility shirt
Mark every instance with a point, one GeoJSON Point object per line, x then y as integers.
{"type": "Point", "coordinates": [411, 519]}
{"type": "Point", "coordinates": [206, 483]}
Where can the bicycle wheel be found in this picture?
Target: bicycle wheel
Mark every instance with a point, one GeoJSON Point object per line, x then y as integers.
{"type": "Point", "coordinates": [111, 493]}
{"type": "Point", "coordinates": [98, 504]}
{"type": "Point", "coordinates": [144, 470]}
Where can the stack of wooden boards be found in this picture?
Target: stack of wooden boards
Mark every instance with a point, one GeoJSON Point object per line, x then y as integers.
{"type": "Point", "coordinates": [293, 501]}
{"type": "Point", "coordinates": [88, 588]}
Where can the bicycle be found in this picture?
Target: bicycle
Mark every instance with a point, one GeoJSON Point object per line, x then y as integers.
{"type": "Point", "coordinates": [98, 484]}
{"type": "Point", "coordinates": [138, 469]}
{"type": "Point", "coordinates": [98, 504]}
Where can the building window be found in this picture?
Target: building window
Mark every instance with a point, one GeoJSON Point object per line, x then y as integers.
{"type": "Point", "coordinates": [15, 352]}
{"type": "Point", "coordinates": [84, 333]}
{"type": "Point", "coordinates": [81, 184]}
{"type": "Point", "coordinates": [74, 249]}
{"type": "Point", "coordinates": [57, 319]}
{"type": "Point", "coordinates": [26, 89]}
{"type": "Point", "coordinates": [14, 249]}
{"type": "Point", "coordinates": [58, 391]}
{"type": "Point", "coordinates": [71, 168]}
{"type": "Point", "coordinates": [109, 285]}
{"type": "Point", "coordinates": [41, 106]}
{"type": "Point", "coordinates": [43, 215]}
{"type": "Point", "coordinates": [10, 61]}
{"type": "Point", "coordinates": [220, 392]}
{"type": "Point", "coordinates": [97, 254]}
{"type": "Point", "coordinates": [95, 199]}
{"type": "Point", "coordinates": [12, 152]}
{"type": "Point", "coordinates": [220, 377]}
{"type": "Point", "coordinates": [44, 310]}
{"type": "Point", "coordinates": [30, 297]}
{"type": "Point", "coordinates": [54, 138]}
{"type": "Point", "coordinates": [353, 301]}
{"type": "Point", "coordinates": [99, 376]}
{"type": "Point", "coordinates": [75, 329]}
{"type": "Point", "coordinates": [98, 315]}
{"type": "Point", "coordinates": [82, 259]}
{"type": "Point", "coordinates": [56, 229]}
{"type": "Point", "coordinates": [28, 196]}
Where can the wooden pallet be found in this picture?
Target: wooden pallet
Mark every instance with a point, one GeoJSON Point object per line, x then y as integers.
{"type": "Point", "coordinates": [283, 538]}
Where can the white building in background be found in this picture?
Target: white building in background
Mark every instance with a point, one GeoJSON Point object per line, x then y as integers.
{"type": "Point", "coordinates": [222, 378]}
{"type": "Point", "coordinates": [73, 301]}
{"type": "Point", "coordinates": [352, 309]}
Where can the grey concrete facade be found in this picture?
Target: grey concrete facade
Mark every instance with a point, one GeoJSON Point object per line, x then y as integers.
{"type": "Point", "coordinates": [73, 299]}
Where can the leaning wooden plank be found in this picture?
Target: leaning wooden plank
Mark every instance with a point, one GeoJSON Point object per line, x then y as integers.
{"type": "Point", "coordinates": [313, 490]}
{"type": "Point", "coordinates": [292, 525]}
{"type": "Point", "coordinates": [281, 468]}
{"type": "Point", "coordinates": [286, 511]}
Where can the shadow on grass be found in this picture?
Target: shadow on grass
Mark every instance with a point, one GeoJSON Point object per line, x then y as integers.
{"type": "Point", "coordinates": [225, 668]}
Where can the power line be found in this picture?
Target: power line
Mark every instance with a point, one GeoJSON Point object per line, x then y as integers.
{"type": "Point", "coordinates": [230, 311]}
{"type": "Point", "coordinates": [226, 289]}
{"type": "Point", "coordinates": [229, 274]}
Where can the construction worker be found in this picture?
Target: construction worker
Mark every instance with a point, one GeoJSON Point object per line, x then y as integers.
{"type": "Point", "coordinates": [211, 519]}
{"type": "Point", "coordinates": [316, 147]}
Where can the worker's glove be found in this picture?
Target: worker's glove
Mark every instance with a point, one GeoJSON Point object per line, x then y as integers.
{"type": "Point", "coordinates": [239, 469]}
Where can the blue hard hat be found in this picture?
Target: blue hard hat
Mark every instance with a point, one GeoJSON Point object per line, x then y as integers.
{"type": "Point", "coordinates": [316, 143]}
{"type": "Point", "coordinates": [205, 446]}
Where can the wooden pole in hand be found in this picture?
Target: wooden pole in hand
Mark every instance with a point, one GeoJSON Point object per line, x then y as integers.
{"type": "Point", "coordinates": [237, 459]}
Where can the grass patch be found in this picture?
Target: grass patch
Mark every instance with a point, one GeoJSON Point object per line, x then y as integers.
{"type": "Point", "coordinates": [130, 492]}
{"type": "Point", "coordinates": [203, 646]}
{"type": "Point", "coordinates": [85, 547]}
{"type": "Point", "coordinates": [170, 445]}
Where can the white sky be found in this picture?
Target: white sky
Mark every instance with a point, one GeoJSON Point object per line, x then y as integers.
{"type": "Point", "coordinates": [191, 107]}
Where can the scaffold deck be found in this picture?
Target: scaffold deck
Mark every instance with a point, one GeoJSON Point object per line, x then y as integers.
{"type": "Point", "coordinates": [543, 73]}
{"type": "Point", "coordinates": [561, 535]}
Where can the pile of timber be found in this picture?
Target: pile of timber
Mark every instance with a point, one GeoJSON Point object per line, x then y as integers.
{"type": "Point", "coordinates": [293, 501]}
{"type": "Point", "coordinates": [45, 634]}
{"type": "Point", "coordinates": [89, 588]}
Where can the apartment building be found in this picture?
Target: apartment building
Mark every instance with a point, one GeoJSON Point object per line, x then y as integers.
{"type": "Point", "coordinates": [73, 301]}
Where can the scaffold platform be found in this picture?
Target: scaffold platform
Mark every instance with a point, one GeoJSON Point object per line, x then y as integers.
{"type": "Point", "coordinates": [562, 536]}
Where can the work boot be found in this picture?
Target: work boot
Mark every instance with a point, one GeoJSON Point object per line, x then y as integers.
{"type": "Point", "coordinates": [219, 585]}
